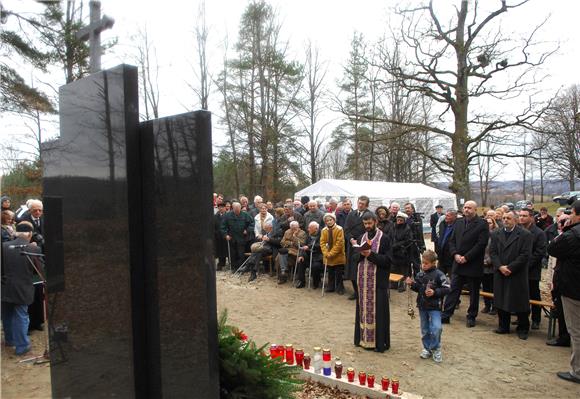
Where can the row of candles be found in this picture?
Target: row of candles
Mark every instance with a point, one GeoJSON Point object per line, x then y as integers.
{"type": "Point", "coordinates": [321, 363]}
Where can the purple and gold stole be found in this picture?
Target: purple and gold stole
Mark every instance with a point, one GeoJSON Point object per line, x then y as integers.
{"type": "Point", "coordinates": [366, 279]}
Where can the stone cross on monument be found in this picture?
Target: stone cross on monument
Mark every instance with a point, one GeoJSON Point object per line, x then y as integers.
{"type": "Point", "coordinates": [92, 33]}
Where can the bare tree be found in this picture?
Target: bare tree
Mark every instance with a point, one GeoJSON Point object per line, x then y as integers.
{"type": "Point", "coordinates": [149, 70]}
{"type": "Point", "coordinates": [561, 135]}
{"type": "Point", "coordinates": [201, 36]}
{"type": "Point", "coordinates": [481, 53]}
{"type": "Point", "coordinates": [315, 72]}
{"type": "Point", "coordinates": [487, 170]}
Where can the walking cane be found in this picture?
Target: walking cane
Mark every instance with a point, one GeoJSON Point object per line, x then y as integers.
{"type": "Point", "coordinates": [296, 264]}
{"type": "Point", "coordinates": [310, 267]}
{"type": "Point", "coordinates": [324, 277]}
{"type": "Point", "coordinates": [229, 256]}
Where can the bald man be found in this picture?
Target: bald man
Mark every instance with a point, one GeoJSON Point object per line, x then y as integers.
{"type": "Point", "coordinates": [467, 247]}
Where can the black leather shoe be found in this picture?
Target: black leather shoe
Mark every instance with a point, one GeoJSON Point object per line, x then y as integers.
{"type": "Point", "coordinates": [300, 284]}
{"type": "Point", "coordinates": [522, 335]}
{"type": "Point", "coordinates": [445, 320]}
{"type": "Point", "coordinates": [283, 278]}
{"type": "Point", "coordinates": [558, 342]}
{"type": "Point", "coordinates": [485, 310]}
{"type": "Point", "coordinates": [500, 331]}
{"type": "Point", "coordinates": [470, 323]}
{"type": "Point", "coordinates": [252, 276]}
{"type": "Point", "coordinates": [565, 375]}
{"type": "Point", "coordinates": [535, 325]}
{"type": "Point", "coordinates": [493, 312]}
{"type": "Point", "coordinates": [340, 290]}
{"type": "Point", "coordinates": [352, 297]}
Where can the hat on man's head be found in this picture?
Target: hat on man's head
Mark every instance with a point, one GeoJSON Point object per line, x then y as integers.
{"type": "Point", "coordinates": [438, 206]}
{"type": "Point", "coordinates": [402, 215]}
{"type": "Point", "coordinates": [24, 227]}
{"type": "Point", "coordinates": [305, 199]}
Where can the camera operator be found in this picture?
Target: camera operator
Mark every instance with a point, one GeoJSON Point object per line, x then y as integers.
{"type": "Point", "coordinates": [566, 249]}
{"type": "Point", "coordinates": [418, 247]}
{"type": "Point", "coordinates": [17, 287]}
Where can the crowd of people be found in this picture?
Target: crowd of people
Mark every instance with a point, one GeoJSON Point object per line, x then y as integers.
{"type": "Point", "coordinates": [501, 252]}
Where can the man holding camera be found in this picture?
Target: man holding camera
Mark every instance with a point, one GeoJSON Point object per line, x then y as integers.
{"type": "Point", "coordinates": [566, 249]}
{"type": "Point", "coordinates": [17, 288]}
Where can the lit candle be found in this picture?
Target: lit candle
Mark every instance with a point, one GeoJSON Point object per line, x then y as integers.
{"type": "Point", "coordinates": [362, 377]}
{"type": "Point", "coordinates": [299, 354]}
{"type": "Point", "coordinates": [371, 380]}
{"type": "Point", "coordinates": [385, 383]}
{"type": "Point", "coordinates": [289, 354]}
{"type": "Point", "coordinates": [350, 374]}
{"type": "Point", "coordinates": [395, 386]}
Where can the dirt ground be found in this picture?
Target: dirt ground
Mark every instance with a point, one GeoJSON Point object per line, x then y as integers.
{"type": "Point", "coordinates": [476, 362]}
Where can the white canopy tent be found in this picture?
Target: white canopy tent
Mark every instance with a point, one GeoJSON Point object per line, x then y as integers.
{"type": "Point", "coordinates": [381, 193]}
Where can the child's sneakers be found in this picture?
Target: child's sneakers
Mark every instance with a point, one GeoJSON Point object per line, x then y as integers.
{"type": "Point", "coordinates": [437, 356]}
{"type": "Point", "coordinates": [425, 354]}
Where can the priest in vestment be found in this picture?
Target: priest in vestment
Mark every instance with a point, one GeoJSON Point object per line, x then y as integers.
{"type": "Point", "coordinates": [371, 329]}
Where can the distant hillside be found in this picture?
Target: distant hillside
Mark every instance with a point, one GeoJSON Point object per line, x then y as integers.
{"type": "Point", "coordinates": [511, 190]}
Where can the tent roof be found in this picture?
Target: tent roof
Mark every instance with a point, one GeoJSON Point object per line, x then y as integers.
{"type": "Point", "coordinates": [373, 189]}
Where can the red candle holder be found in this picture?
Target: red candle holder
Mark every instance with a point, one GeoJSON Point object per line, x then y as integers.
{"type": "Point", "coordinates": [385, 383]}
{"type": "Point", "coordinates": [395, 386]}
{"type": "Point", "coordinates": [299, 355]}
{"type": "Point", "coordinates": [326, 355]}
{"type": "Point", "coordinates": [362, 377]}
{"type": "Point", "coordinates": [273, 351]}
{"type": "Point", "coordinates": [280, 352]}
{"type": "Point", "coordinates": [289, 354]}
{"type": "Point", "coordinates": [350, 374]}
{"type": "Point", "coordinates": [306, 361]}
{"type": "Point", "coordinates": [371, 380]}
{"type": "Point", "coordinates": [338, 369]}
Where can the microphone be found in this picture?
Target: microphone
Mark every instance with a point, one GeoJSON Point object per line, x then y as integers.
{"type": "Point", "coordinates": [17, 246]}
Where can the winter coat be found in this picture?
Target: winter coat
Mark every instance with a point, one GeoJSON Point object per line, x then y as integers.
{"type": "Point", "coordinates": [293, 241]}
{"type": "Point", "coordinates": [239, 227]}
{"type": "Point", "coordinates": [17, 273]}
{"type": "Point", "coordinates": [315, 216]}
{"type": "Point", "coordinates": [258, 231]}
{"type": "Point", "coordinates": [334, 256]}
{"type": "Point", "coordinates": [438, 282]}
{"type": "Point", "coordinates": [402, 240]}
{"type": "Point", "coordinates": [566, 248]}
{"type": "Point", "coordinates": [469, 240]}
{"type": "Point", "coordinates": [539, 246]}
{"type": "Point", "coordinates": [511, 293]}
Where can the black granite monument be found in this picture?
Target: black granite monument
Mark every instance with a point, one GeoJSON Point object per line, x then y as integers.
{"type": "Point", "coordinates": [132, 309]}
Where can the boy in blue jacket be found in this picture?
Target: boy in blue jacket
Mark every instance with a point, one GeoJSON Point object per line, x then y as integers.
{"type": "Point", "coordinates": [431, 285]}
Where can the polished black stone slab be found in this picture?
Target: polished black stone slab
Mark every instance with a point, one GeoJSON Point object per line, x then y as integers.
{"type": "Point", "coordinates": [92, 173]}
{"type": "Point", "coordinates": [180, 289]}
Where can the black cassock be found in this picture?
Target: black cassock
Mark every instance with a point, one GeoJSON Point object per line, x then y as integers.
{"type": "Point", "coordinates": [372, 321]}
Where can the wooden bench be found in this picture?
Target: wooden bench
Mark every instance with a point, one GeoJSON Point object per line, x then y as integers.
{"type": "Point", "coordinates": [395, 278]}
{"type": "Point", "coordinates": [547, 307]}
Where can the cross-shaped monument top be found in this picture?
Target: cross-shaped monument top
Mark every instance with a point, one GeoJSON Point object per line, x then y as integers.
{"type": "Point", "coordinates": [92, 33]}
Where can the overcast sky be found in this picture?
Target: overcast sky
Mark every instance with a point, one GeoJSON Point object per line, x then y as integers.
{"type": "Point", "coordinates": [328, 23]}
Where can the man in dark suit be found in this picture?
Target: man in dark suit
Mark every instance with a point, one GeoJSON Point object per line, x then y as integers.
{"type": "Point", "coordinates": [35, 216]}
{"type": "Point", "coordinates": [510, 252]}
{"type": "Point", "coordinates": [443, 235]}
{"type": "Point", "coordinates": [353, 230]}
{"type": "Point", "coordinates": [17, 288]}
{"type": "Point", "coordinates": [433, 223]}
{"type": "Point", "coordinates": [539, 245]}
{"type": "Point", "coordinates": [467, 246]}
